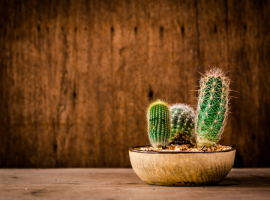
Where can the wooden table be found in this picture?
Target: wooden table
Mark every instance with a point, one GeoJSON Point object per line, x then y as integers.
{"type": "Point", "coordinates": [124, 184]}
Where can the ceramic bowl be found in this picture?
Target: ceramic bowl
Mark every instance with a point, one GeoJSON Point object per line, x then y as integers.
{"type": "Point", "coordinates": [181, 168]}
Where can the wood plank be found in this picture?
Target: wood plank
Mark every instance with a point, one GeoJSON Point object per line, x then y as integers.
{"type": "Point", "coordinates": [144, 93]}
{"type": "Point", "coordinates": [124, 184]}
{"type": "Point", "coordinates": [263, 63]}
{"type": "Point", "coordinates": [105, 31]}
{"type": "Point", "coordinates": [214, 41]}
{"type": "Point", "coordinates": [243, 51]}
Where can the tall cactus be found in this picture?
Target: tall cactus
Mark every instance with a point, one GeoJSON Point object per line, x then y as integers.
{"type": "Point", "coordinates": [212, 108]}
{"type": "Point", "coordinates": [182, 123]}
{"type": "Point", "coordinates": [158, 116]}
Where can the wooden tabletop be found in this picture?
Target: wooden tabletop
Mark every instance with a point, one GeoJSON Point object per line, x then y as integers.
{"type": "Point", "coordinates": [121, 183]}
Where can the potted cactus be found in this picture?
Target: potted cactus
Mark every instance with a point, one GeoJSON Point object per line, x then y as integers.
{"type": "Point", "coordinates": [212, 109]}
{"type": "Point", "coordinates": [184, 144]}
{"type": "Point", "coordinates": [182, 123]}
{"type": "Point", "coordinates": [159, 128]}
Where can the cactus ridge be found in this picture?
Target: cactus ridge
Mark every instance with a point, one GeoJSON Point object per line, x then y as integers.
{"type": "Point", "coordinates": [182, 122]}
{"type": "Point", "coordinates": [212, 108]}
{"type": "Point", "coordinates": [158, 117]}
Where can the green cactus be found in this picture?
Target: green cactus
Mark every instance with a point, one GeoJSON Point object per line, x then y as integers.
{"type": "Point", "coordinates": [158, 116]}
{"type": "Point", "coordinates": [182, 123]}
{"type": "Point", "coordinates": [212, 109]}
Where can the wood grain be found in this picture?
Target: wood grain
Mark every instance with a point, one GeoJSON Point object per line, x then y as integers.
{"type": "Point", "coordinates": [77, 76]}
{"type": "Point", "coordinates": [124, 184]}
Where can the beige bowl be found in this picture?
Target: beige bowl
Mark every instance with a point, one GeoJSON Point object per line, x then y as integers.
{"type": "Point", "coordinates": [181, 168]}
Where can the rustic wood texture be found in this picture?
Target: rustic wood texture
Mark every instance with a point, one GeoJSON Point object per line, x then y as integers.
{"type": "Point", "coordinates": [76, 76]}
{"type": "Point", "coordinates": [124, 184]}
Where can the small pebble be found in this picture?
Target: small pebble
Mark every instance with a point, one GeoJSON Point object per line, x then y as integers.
{"type": "Point", "coordinates": [187, 148]}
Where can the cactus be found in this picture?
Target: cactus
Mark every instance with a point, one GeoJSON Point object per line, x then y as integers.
{"type": "Point", "coordinates": [182, 123]}
{"type": "Point", "coordinates": [158, 116]}
{"type": "Point", "coordinates": [212, 108]}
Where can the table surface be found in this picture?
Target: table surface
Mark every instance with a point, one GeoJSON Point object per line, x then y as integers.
{"type": "Point", "coordinates": [122, 183]}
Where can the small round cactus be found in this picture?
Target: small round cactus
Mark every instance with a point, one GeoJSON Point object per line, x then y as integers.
{"type": "Point", "coordinates": [212, 109]}
{"type": "Point", "coordinates": [158, 117]}
{"type": "Point", "coordinates": [182, 123]}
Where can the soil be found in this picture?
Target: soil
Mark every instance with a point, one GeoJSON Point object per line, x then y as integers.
{"type": "Point", "coordinates": [187, 148]}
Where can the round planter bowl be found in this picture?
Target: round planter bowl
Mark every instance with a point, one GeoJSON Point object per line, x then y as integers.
{"type": "Point", "coordinates": [181, 168]}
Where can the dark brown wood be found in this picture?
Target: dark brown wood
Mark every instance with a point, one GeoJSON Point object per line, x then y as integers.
{"type": "Point", "coordinates": [76, 76]}
{"type": "Point", "coordinates": [124, 184]}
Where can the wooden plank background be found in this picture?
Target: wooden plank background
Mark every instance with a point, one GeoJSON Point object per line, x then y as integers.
{"type": "Point", "coordinates": [76, 76]}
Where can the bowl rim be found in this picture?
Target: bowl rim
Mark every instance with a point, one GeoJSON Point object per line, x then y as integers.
{"type": "Point", "coordinates": [132, 149]}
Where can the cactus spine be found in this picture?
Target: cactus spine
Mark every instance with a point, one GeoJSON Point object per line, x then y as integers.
{"type": "Point", "coordinates": [212, 109]}
{"type": "Point", "coordinates": [182, 123]}
{"type": "Point", "coordinates": [158, 116]}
